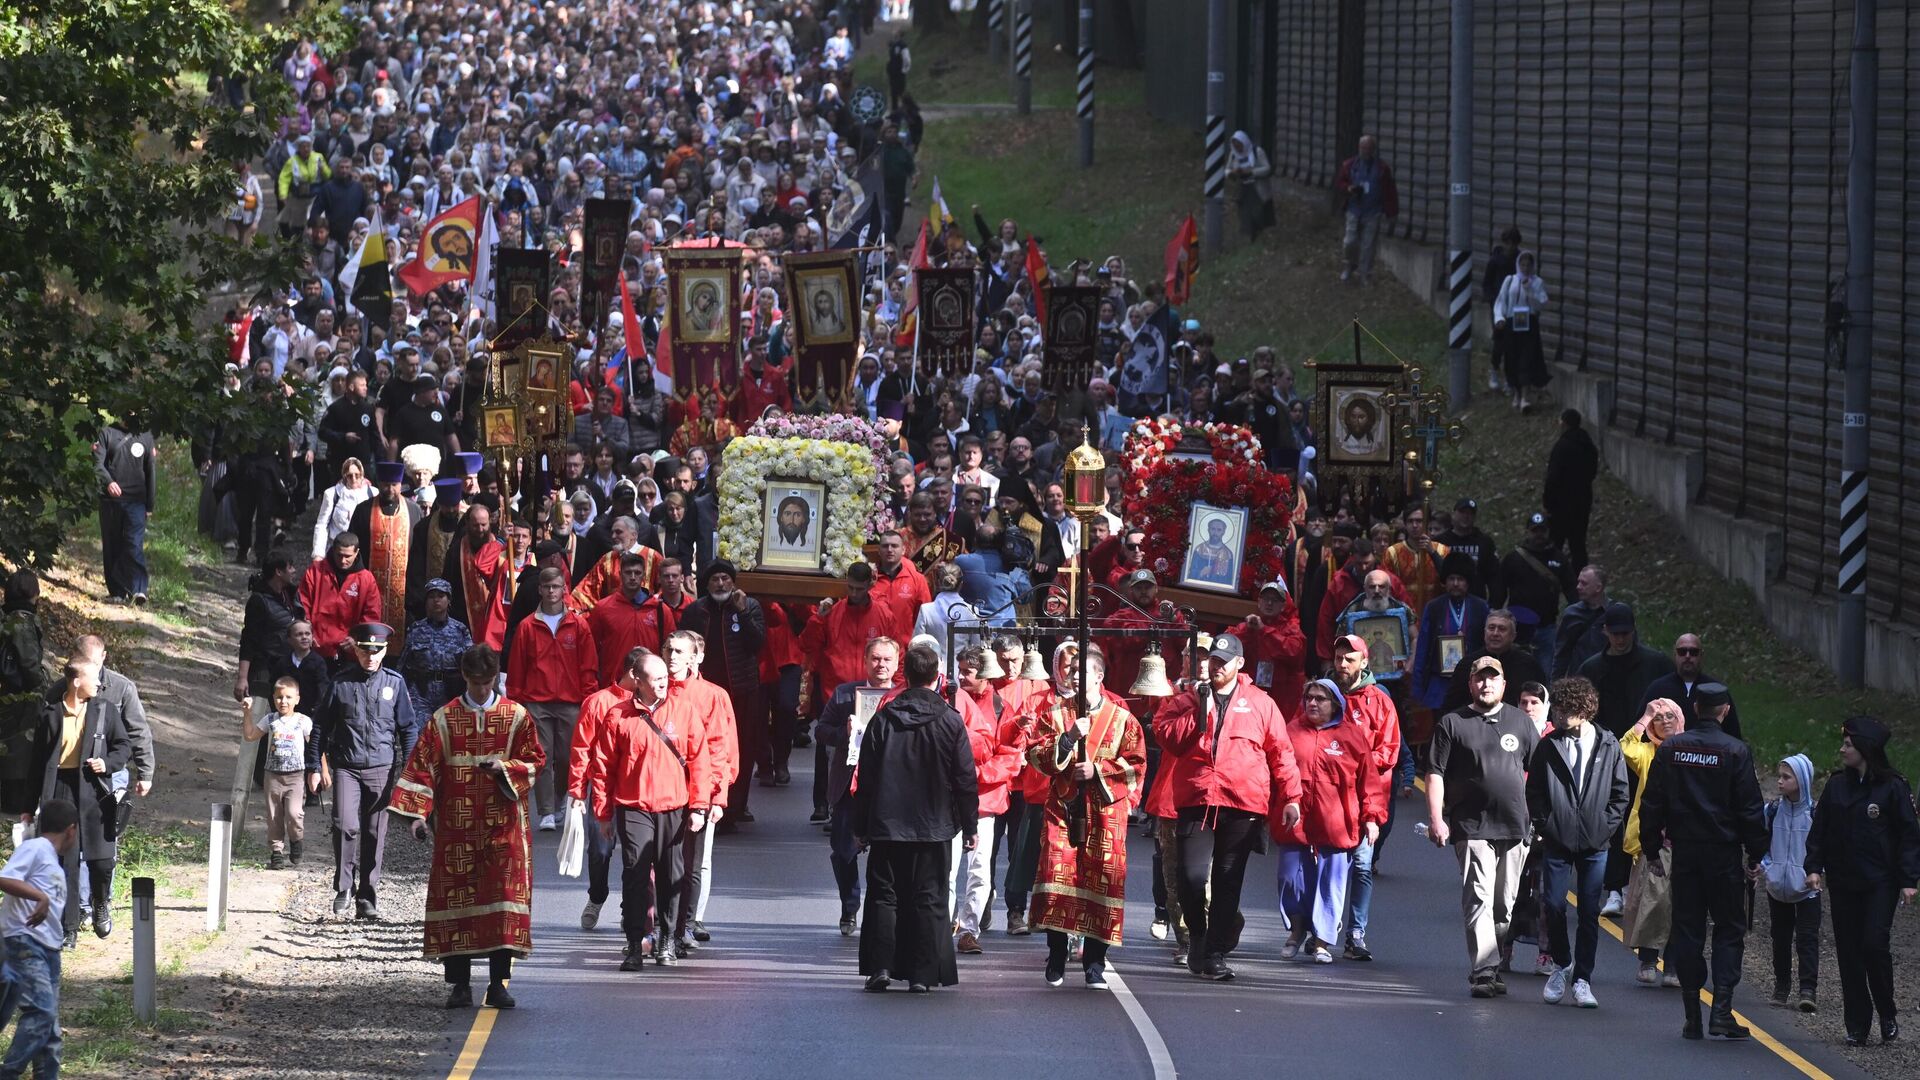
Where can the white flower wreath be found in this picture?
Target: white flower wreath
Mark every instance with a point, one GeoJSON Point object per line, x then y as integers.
{"type": "Point", "coordinates": [751, 461]}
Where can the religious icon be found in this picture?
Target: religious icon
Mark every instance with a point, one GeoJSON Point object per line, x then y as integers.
{"type": "Point", "coordinates": [513, 375]}
{"type": "Point", "coordinates": [452, 248]}
{"type": "Point", "coordinates": [703, 314]}
{"type": "Point", "coordinates": [520, 299]}
{"type": "Point", "coordinates": [866, 702]}
{"type": "Point", "coordinates": [500, 427]}
{"type": "Point", "coordinates": [1453, 650]}
{"type": "Point", "coordinates": [1360, 425]}
{"type": "Point", "coordinates": [547, 362]}
{"type": "Point", "coordinates": [824, 294]}
{"type": "Point", "coordinates": [791, 525]}
{"type": "Point", "coordinates": [1386, 636]}
{"type": "Point", "coordinates": [1216, 544]}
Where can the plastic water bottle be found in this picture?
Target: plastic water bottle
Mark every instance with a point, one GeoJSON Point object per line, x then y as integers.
{"type": "Point", "coordinates": [1420, 829]}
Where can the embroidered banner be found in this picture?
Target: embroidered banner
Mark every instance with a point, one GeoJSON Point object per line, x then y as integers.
{"type": "Point", "coordinates": [946, 340]}
{"type": "Point", "coordinates": [703, 301]}
{"type": "Point", "coordinates": [823, 319]}
{"type": "Point", "coordinates": [521, 277]}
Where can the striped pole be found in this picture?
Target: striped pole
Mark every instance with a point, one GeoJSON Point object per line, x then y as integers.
{"type": "Point", "coordinates": [1023, 56]}
{"type": "Point", "coordinates": [1084, 105]}
{"type": "Point", "coordinates": [1850, 655]}
{"type": "Point", "coordinates": [996, 30]}
{"type": "Point", "coordinates": [1213, 226]}
{"type": "Point", "coordinates": [1460, 209]}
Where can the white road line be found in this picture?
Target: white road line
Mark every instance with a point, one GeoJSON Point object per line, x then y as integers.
{"type": "Point", "coordinates": [1143, 1024]}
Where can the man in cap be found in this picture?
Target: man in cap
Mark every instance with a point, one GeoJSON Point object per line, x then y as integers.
{"type": "Point", "coordinates": [1701, 796]}
{"type": "Point", "coordinates": [1464, 538]}
{"type": "Point", "coordinates": [1276, 651]}
{"type": "Point", "coordinates": [1124, 654]}
{"type": "Point", "coordinates": [1452, 626]}
{"type": "Point", "coordinates": [434, 643]}
{"type": "Point", "coordinates": [1620, 675]}
{"type": "Point", "coordinates": [386, 523]}
{"type": "Point", "coordinates": [1226, 746]}
{"type": "Point", "coordinates": [470, 466]}
{"type": "Point", "coordinates": [1477, 801]}
{"type": "Point", "coordinates": [364, 731]}
{"type": "Point", "coordinates": [422, 420]}
{"type": "Point", "coordinates": [433, 537]}
{"type": "Point", "coordinates": [337, 596]}
{"type": "Point", "coordinates": [1535, 581]}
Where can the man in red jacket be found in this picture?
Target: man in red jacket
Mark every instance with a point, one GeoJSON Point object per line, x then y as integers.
{"type": "Point", "coordinates": [686, 652]}
{"type": "Point", "coordinates": [1276, 649]}
{"type": "Point", "coordinates": [835, 641]}
{"type": "Point", "coordinates": [898, 581]}
{"type": "Point", "coordinates": [337, 597]}
{"type": "Point", "coordinates": [550, 670]}
{"type": "Point", "coordinates": [1369, 708]}
{"type": "Point", "coordinates": [1142, 589]}
{"type": "Point", "coordinates": [628, 619]}
{"type": "Point", "coordinates": [650, 783]}
{"type": "Point", "coordinates": [593, 714]}
{"type": "Point", "coordinates": [1227, 746]}
{"type": "Point", "coordinates": [997, 757]}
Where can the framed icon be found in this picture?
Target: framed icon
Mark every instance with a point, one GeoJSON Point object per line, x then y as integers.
{"type": "Point", "coordinates": [544, 410]}
{"type": "Point", "coordinates": [824, 308]}
{"type": "Point", "coordinates": [1385, 633]}
{"type": "Point", "coordinates": [1453, 650]}
{"type": "Point", "coordinates": [1354, 408]}
{"type": "Point", "coordinates": [500, 427]}
{"type": "Point", "coordinates": [547, 366]}
{"type": "Point", "coordinates": [792, 521]}
{"type": "Point", "coordinates": [1216, 546]}
{"type": "Point", "coordinates": [704, 306]}
{"type": "Point", "coordinates": [866, 702]}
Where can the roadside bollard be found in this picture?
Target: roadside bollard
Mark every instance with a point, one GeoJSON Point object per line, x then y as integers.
{"type": "Point", "coordinates": [219, 862]}
{"type": "Point", "coordinates": [143, 999]}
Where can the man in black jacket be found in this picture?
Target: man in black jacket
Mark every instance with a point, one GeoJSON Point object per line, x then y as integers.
{"type": "Point", "coordinates": [123, 465]}
{"type": "Point", "coordinates": [1620, 675]}
{"type": "Point", "coordinates": [1568, 498]}
{"type": "Point", "coordinates": [1577, 798]}
{"type": "Point", "coordinates": [916, 789]}
{"type": "Point", "coordinates": [835, 730]}
{"type": "Point", "coordinates": [1535, 576]}
{"type": "Point", "coordinates": [1688, 672]}
{"type": "Point", "coordinates": [734, 627]}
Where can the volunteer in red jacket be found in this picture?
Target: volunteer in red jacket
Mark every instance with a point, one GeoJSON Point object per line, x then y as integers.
{"type": "Point", "coordinates": [1344, 803]}
{"type": "Point", "coordinates": [1226, 744]}
{"type": "Point", "coordinates": [781, 668]}
{"type": "Point", "coordinates": [896, 579]}
{"type": "Point", "coordinates": [686, 652]}
{"type": "Point", "coordinates": [1276, 647]}
{"type": "Point", "coordinates": [650, 783]}
{"type": "Point", "coordinates": [1125, 653]}
{"type": "Point", "coordinates": [337, 597]}
{"type": "Point", "coordinates": [627, 620]}
{"type": "Point", "coordinates": [835, 641]}
{"type": "Point", "coordinates": [593, 714]}
{"type": "Point", "coordinates": [550, 670]}
{"type": "Point", "coordinates": [997, 753]}
{"type": "Point", "coordinates": [1369, 708]}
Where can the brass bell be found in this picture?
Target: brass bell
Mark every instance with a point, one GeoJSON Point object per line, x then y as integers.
{"type": "Point", "coordinates": [1152, 681]}
{"type": "Point", "coordinates": [991, 669]}
{"type": "Point", "coordinates": [1033, 667]}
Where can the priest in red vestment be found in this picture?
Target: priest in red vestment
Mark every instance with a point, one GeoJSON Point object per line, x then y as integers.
{"type": "Point", "coordinates": [471, 772]}
{"type": "Point", "coordinates": [385, 524]}
{"type": "Point", "coordinates": [477, 568]}
{"type": "Point", "coordinates": [603, 579]}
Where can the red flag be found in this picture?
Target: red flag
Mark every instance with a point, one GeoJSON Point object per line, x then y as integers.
{"type": "Point", "coordinates": [905, 331]}
{"type": "Point", "coordinates": [446, 249]}
{"type": "Point", "coordinates": [1041, 280]}
{"type": "Point", "coordinates": [1183, 262]}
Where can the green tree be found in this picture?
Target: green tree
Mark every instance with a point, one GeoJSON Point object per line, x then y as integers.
{"type": "Point", "coordinates": [115, 173]}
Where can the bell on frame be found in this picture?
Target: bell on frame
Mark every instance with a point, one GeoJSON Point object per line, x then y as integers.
{"type": "Point", "coordinates": [1152, 681]}
{"type": "Point", "coordinates": [1033, 667]}
{"type": "Point", "coordinates": [991, 669]}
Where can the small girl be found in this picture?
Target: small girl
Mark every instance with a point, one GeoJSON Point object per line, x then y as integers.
{"type": "Point", "coordinates": [1795, 909]}
{"type": "Point", "coordinates": [288, 732]}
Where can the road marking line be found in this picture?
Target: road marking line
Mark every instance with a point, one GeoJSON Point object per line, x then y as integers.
{"type": "Point", "coordinates": [1780, 1049]}
{"type": "Point", "coordinates": [477, 1037]}
{"type": "Point", "coordinates": [1143, 1024]}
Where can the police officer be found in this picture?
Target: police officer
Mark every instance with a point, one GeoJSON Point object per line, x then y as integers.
{"type": "Point", "coordinates": [361, 736]}
{"type": "Point", "coordinates": [1864, 850]}
{"type": "Point", "coordinates": [1701, 796]}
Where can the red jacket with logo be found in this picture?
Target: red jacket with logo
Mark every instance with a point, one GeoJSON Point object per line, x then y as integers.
{"type": "Point", "coordinates": [835, 644]}
{"type": "Point", "coordinates": [593, 714]}
{"type": "Point", "coordinates": [552, 665]}
{"type": "Point", "coordinates": [336, 604]}
{"type": "Point", "coordinates": [1371, 707]}
{"type": "Point", "coordinates": [634, 769]}
{"type": "Point", "coordinates": [1340, 789]}
{"type": "Point", "coordinates": [619, 624]}
{"type": "Point", "coordinates": [1235, 762]}
{"type": "Point", "coordinates": [1280, 644]}
{"type": "Point", "coordinates": [996, 761]}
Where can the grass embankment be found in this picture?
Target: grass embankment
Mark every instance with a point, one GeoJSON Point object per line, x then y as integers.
{"type": "Point", "coordinates": [1283, 291]}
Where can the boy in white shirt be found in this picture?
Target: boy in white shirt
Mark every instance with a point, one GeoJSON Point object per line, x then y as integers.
{"type": "Point", "coordinates": [287, 731]}
{"type": "Point", "coordinates": [35, 885]}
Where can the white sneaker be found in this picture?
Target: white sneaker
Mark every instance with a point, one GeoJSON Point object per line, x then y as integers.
{"type": "Point", "coordinates": [1583, 995]}
{"type": "Point", "coordinates": [590, 916]}
{"type": "Point", "coordinates": [1615, 904]}
{"type": "Point", "coordinates": [1322, 954]}
{"type": "Point", "coordinates": [1493, 379]}
{"type": "Point", "coordinates": [1543, 964]}
{"type": "Point", "coordinates": [1556, 987]}
{"type": "Point", "coordinates": [1160, 930]}
{"type": "Point", "coordinates": [1648, 975]}
{"type": "Point", "coordinates": [549, 823]}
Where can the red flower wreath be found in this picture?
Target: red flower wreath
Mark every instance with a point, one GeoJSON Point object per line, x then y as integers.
{"type": "Point", "coordinates": [1160, 491]}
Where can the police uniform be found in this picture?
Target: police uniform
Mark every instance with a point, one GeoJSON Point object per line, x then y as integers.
{"type": "Point", "coordinates": [367, 725]}
{"type": "Point", "coordinates": [1702, 796]}
{"type": "Point", "coordinates": [1866, 841]}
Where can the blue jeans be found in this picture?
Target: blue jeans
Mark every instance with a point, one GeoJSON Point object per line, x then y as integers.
{"type": "Point", "coordinates": [33, 987]}
{"type": "Point", "coordinates": [1585, 872]}
{"type": "Point", "coordinates": [123, 546]}
{"type": "Point", "coordinates": [1360, 892]}
{"type": "Point", "coordinates": [1313, 890]}
{"type": "Point", "coordinates": [845, 857]}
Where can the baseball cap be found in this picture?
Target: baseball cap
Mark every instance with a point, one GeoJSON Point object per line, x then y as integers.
{"type": "Point", "coordinates": [1351, 643]}
{"type": "Point", "coordinates": [1537, 521]}
{"type": "Point", "coordinates": [1467, 504]}
{"type": "Point", "coordinates": [1619, 617]}
{"type": "Point", "coordinates": [1226, 648]}
{"type": "Point", "coordinates": [439, 585]}
{"type": "Point", "coordinates": [1139, 576]}
{"type": "Point", "coordinates": [1278, 585]}
{"type": "Point", "coordinates": [1487, 663]}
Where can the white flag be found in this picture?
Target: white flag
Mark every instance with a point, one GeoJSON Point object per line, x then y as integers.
{"type": "Point", "coordinates": [480, 292]}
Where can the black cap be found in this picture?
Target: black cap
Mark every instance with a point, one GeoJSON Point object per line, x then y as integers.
{"type": "Point", "coordinates": [1868, 734]}
{"type": "Point", "coordinates": [1619, 618]}
{"type": "Point", "coordinates": [1711, 695]}
{"type": "Point", "coordinates": [1537, 521]}
{"type": "Point", "coordinates": [1467, 504]}
{"type": "Point", "coordinates": [424, 381]}
{"type": "Point", "coordinates": [1226, 647]}
{"type": "Point", "coordinates": [1457, 564]}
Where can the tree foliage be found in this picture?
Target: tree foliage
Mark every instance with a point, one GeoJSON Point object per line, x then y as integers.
{"type": "Point", "coordinates": [114, 178]}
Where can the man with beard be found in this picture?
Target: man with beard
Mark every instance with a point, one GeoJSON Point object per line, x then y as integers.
{"type": "Point", "coordinates": [433, 538]}
{"type": "Point", "coordinates": [1521, 666]}
{"type": "Point", "coordinates": [1346, 586]}
{"type": "Point", "coordinates": [1535, 580]}
{"type": "Point", "coordinates": [927, 542]}
{"type": "Point", "coordinates": [734, 629]}
{"type": "Point", "coordinates": [1688, 672]}
{"type": "Point", "coordinates": [609, 570]}
{"type": "Point", "coordinates": [386, 522]}
{"type": "Point", "coordinates": [477, 569]}
{"type": "Point", "coordinates": [338, 596]}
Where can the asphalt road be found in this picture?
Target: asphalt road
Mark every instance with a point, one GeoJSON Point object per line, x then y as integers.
{"type": "Point", "coordinates": [777, 994]}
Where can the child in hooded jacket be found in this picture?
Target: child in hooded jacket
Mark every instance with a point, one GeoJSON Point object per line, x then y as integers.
{"type": "Point", "coordinates": [1795, 909]}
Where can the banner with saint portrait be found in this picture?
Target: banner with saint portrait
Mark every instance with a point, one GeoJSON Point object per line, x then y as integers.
{"type": "Point", "coordinates": [703, 295]}
{"type": "Point", "coordinates": [446, 249]}
{"type": "Point", "coordinates": [1354, 410]}
{"type": "Point", "coordinates": [603, 241]}
{"type": "Point", "coordinates": [522, 278]}
{"type": "Point", "coordinates": [946, 337]}
{"type": "Point", "coordinates": [1071, 335]}
{"type": "Point", "coordinates": [823, 317]}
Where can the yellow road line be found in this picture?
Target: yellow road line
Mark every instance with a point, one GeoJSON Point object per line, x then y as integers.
{"type": "Point", "coordinates": [477, 1037]}
{"type": "Point", "coordinates": [1782, 1050]}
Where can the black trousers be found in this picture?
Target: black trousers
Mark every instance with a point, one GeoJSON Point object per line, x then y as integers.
{"type": "Point", "coordinates": [1214, 844]}
{"type": "Point", "coordinates": [1093, 955]}
{"type": "Point", "coordinates": [750, 726]}
{"type": "Point", "coordinates": [1863, 946]}
{"type": "Point", "coordinates": [783, 699]}
{"type": "Point", "coordinates": [460, 968]}
{"type": "Point", "coordinates": [1708, 882]}
{"type": "Point", "coordinates": [905, 931]}
{"type": "Point", "coordinates": [651, 868]}
{"type": "Point", "coordinates": [1569, 525]}
{"type": "Point", "coordinates": [819, 775]}
{"type": "Point", "coordinates": [1796, 930]}
{"type": "Point", "coordinates": [254, 504]}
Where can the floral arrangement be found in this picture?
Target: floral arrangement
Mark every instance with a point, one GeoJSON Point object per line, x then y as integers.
{"type": "Point", "coordinates": [1159, 492]}
{"type": "Point", "coordinates": [840, 429]}
{"type": "Point", "coordinates": [846, 468]}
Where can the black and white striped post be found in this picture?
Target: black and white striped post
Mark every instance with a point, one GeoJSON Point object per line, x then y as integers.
{"type": "Point", "coordinates": [1214, 223]}
{"type": "Point", "coordinates": [996, 31]}
{"type": "Point", "coordinates": [1856, 400]}
{"type": "Point", "coordinates": [1084, 104]}
{"type": "Point", "coordinates": [1460, 211]}
{"type": "Point", "coordinates": [1023, 56]}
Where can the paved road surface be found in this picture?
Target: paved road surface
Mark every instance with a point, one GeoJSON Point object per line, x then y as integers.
{"type": "Point", "coordinates": [776, 993]}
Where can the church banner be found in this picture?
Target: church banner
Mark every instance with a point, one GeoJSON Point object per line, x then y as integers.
{"type": "Point", "coordinates": [823, 316]}
{"type": "Point", "coordinates": [1071, 335]}
{"type": "Point", "coordinates": [522, 279]}
{"type": "Point", "coordinates": [703, 300]}
{"type": "Point", "coordinates": [604, 240]}
{"type": "Point", "coordinates": [946, 318]}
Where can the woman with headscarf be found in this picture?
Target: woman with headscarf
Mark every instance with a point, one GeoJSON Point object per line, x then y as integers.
{"type": "Point", "coordinates": [1516, 328]}
{"type": "Point", "coordinates": [1247, 164]}
{"type": "Point", "coordinates": [1344, 802]}
{"type": "Point", "coordinates": [1864, 852]}
{"type": "Point", "coordinates": [1649, 910]}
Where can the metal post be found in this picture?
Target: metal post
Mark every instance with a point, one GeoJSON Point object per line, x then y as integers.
{"type": "Point", "coordinates": [1023, 56]}
{"type": "Point", "coordinates": [996, 31]}
{"type": "Point", "coordinates": [143, 999]}
{"type": "Point", "coordinates": [219, 864]}
{"type": "Point", "coordinates": [1460, 209]}
{"type": "Point", "coordinates": [1085, 66]}
{"type": "Point", "coordinates": [1213, 228]}
{"type": "Point", "coordinates": [1864, 110]}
